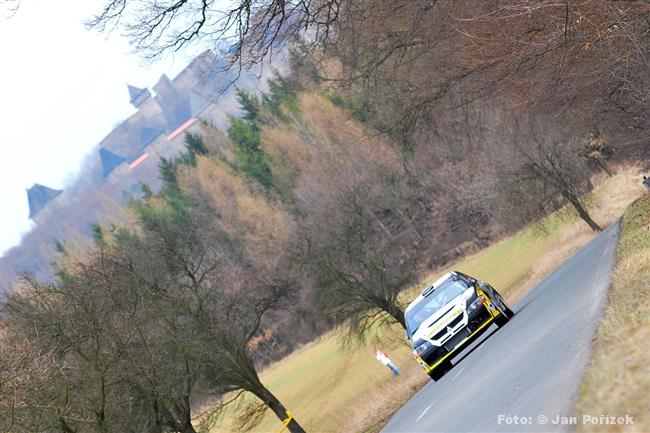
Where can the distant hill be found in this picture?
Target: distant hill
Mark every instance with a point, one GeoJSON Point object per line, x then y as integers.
{"type": "Point", "coordinates": [127, 156]}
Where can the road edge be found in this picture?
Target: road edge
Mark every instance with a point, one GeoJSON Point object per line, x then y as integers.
{"type": "Point", "coordinates": [613, 383]}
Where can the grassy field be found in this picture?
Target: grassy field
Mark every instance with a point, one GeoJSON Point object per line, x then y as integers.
{"type": "Point", "coordinates": [331, 388]}
{"type": "Point", "coordinates": [618, 379]}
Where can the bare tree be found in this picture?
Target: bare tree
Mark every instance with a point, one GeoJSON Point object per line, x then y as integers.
{"type": "Point", "coordinates": [248, 31]}
{"type": "Point", "coordinates": [151, 322]}
{"type": "Point", "coordinates": [25, 372]}
{"type": "Point", "coordinates": [358, 265]}
{"type": "Point", "coordinates": [72, 319]}
{"type": "Point", "coordinates": [219, 294]}
{"type": "Point", "coordinates": [596, 151]}
{"type": "Point", "coordinates": [554, 167]}
{"type": "Point", "coordinates": [587, 60]}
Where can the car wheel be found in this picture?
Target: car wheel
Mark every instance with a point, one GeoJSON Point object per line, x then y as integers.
{"type": "Point", "coordinates": [505, 308]}
{"type": "Point", "coordinates": [501, 319]}
{"type": "Point", "coordinates": [501, 306]}
{"type": "Point", "coordinates": [437, 373]}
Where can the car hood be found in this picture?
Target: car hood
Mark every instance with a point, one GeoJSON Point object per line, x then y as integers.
{"type": "Point", "coordinates": [438, 320]}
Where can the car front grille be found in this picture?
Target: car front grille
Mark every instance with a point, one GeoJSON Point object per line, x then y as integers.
{"type": "Point", "coordinates": [451, 324]}
{"type": "Point", "coordinates": [454, 340]}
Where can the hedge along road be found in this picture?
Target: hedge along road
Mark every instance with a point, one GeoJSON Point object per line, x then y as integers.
{"type": "Point", "coordinates": [527, 374]}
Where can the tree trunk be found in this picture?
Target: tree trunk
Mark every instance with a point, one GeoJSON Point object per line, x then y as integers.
{"type": "Point", "coordinates": [397, 314]}
{"type": "Point", "coordinates": [280, 411]}
{"type": "Point", "coordinates": [575, 202]}
{"type": "Point", "coordinates": [178, 416]}
{"type": "Point", "coordinates": [188, 428]}
{"type": "Point", "coordinates": [409, 223]}
{"type": "Point", "coordinates": [604, 166]}
{"type": "Point", "coordinates": [101, 414]}
{"type": "Point", "coordinates": [64, 426]}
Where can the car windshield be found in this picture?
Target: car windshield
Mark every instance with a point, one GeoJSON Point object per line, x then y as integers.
{"type": "Point", "coordinates": [431, 303]}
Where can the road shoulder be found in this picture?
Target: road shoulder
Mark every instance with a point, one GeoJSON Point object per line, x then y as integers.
{"type": "Point", "coordinates": [618, 377]}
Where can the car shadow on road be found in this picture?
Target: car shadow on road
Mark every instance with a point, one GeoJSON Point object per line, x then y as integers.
{"type": "Point", "coordinates": [475, 346]}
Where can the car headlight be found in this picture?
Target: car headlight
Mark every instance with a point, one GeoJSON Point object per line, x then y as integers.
{"type": "Point", "coordinates": [474, 304]}
{"type": "Point", "coordinates": [421, 346]}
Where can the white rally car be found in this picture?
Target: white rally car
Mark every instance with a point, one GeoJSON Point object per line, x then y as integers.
{"type": "Point", "coordinates": [448, 316]}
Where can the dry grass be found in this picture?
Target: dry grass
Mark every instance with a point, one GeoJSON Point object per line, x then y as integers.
{"type": "Point", "coordinates": [330, 388]}
{"type": "Point", "coordinates": [618, 379]}
{"type": "Point", "coordinates": [374, 411]}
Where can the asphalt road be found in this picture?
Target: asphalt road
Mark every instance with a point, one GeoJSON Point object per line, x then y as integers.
{"type": "Point", "coordinates": [532, 367]}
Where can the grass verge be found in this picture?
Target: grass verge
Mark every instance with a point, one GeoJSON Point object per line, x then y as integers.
{"type": "Point", "coordinates": [331, 388]}
{"type": "Point", "coordinates": [618, 378]}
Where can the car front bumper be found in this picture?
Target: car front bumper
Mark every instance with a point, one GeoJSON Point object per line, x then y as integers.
{"type": "Point", "coordinates": [478, 322]}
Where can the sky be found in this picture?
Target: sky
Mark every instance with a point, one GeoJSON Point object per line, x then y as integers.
{"type": "Point", "coordinates": [62, 89]}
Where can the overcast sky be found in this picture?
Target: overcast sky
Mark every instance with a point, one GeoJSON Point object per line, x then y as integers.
{"type": "Point", "coordinates": [62, 89]}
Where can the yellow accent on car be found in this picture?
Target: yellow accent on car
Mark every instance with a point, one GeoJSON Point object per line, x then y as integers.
{"type": "Point", "coordinates": [429, 368]}
{"type": "Point", "coordinates": [489, 304]}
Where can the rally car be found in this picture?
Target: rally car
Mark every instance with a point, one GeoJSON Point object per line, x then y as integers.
{"type": "Point", "coordinates": [448, 316]}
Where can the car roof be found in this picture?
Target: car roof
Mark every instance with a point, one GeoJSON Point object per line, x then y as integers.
{"type": "Point", "coordinates": [428, 289]}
